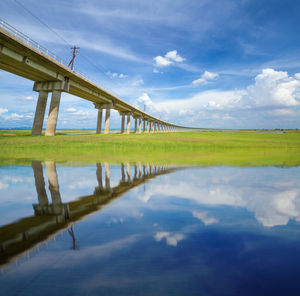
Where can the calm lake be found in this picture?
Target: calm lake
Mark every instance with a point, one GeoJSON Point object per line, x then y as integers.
{"type": "Point", "coordinates": [107, 229]}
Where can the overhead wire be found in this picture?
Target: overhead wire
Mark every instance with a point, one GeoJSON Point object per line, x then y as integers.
{"type": "Point", "coordinates": [103, 71]}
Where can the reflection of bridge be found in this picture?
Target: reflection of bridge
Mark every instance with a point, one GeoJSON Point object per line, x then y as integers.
{"type": "Point", "coordinates": [52, 217]}
{"type": "Point", "coordinates": [24, 57]}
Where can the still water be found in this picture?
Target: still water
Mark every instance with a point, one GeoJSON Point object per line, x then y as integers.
{"type": "Point", "coordinates": [105, 229]}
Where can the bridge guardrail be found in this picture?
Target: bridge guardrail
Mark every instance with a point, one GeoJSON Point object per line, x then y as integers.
{"type": "Point", "coordinates": [38, 46]}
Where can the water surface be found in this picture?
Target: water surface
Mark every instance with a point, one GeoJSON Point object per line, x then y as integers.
{"type": "Point", "coordinates": [107, 229]}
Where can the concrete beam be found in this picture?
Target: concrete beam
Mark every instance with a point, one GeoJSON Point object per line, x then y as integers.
{"type": "Point", "coordinates": [52, 85]}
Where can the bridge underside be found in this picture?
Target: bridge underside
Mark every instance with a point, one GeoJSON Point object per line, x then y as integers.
{"type": "Point", "coordinates": [49, 75]}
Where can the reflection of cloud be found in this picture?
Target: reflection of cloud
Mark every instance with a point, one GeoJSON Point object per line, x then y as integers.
{"type": "Point", "coordinates": [171, 239]}
{"type": "Point", "coordinates": [274, 201]}
{"type": "Point", "coordinates": [3, 185]}
{"type": "Point", "coordinates": [203, 216]}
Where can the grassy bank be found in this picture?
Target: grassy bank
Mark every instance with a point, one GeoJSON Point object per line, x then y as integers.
{"type": "Point", "coordinates": [243, 148]}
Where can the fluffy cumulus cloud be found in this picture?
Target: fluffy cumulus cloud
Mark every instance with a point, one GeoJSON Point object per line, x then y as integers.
{"type": "Point", "coordinates": [170, 58]}
{"type": "Point", "coordinates": [273, 95]}
{"type": "Point", "coordinates": [206, 77]}
{"type": "Point", "coordinates": [273, 88]}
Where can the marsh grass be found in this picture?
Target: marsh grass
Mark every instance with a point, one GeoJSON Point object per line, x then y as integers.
{"type": "Point", "coordinates": [236, 148]}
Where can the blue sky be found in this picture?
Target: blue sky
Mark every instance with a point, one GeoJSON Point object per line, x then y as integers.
{"type": "Point", "coordinates": [221, 64]}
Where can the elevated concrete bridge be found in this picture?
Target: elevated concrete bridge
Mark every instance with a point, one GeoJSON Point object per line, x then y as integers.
{"type": "Point", "coordinates": [22, 56]}
{"type": "Point", "coordinates": [51, 216]}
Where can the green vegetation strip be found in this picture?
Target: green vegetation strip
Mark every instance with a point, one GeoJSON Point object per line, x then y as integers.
{"type": "Point", "coordinates": [235, 148]}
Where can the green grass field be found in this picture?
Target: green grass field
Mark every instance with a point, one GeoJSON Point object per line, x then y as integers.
{"type": "Point", "coordinates": [236, 148]}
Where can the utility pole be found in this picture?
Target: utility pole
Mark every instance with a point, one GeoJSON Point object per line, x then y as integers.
{"type": "Point", "coordinates": [74, 53]}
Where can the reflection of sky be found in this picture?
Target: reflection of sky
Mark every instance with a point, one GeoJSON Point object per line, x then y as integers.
{"type": "Point", "coordinates": [203, 230]}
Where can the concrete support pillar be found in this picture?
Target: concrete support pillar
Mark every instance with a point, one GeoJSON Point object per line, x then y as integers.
{"type": "Point", "coordinates": [135, 125]}
{"type": "Point", "coordinates": [39, 182]}
{"type": "Point", "coordinates": [144, 127]}
{"type": "Point", "coordinates": [128, 124]}
{"type": "Point", "coordinates": [148, 126]}
{"type": "Point", "coordinates": [140, 125]}
{"type": "Point", "coordinates": [53, 182]}
{"type": "Point", "coordinates": [39, 113]}
{"type": "Point", "coordinates": [99, 121]}
{"type": "Point", "coordinates": [122, 123]}
{"type": "Point", "coordinates": [53, 113]}
{"type": "Point", "coordinates": [153, 127]}
{"type": "Point", "coordinates": [107, 118]}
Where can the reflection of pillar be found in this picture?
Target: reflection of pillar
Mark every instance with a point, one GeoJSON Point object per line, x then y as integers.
{"type": "Point", "coordinates": [122, 123]}
{"type": "Point", "coordinates": [99, 175]}
{"type": "Point", "coordinates": [53, 113]}
{"type": "Point", "coordinates": [107, 176]}
{"type": "Point", "coordinates": [128, 171]}
{"type": "Point", "coordinates": [122, 173]}
{"type": "Point", "coordinates": [53, 182]}
{"type": "Point", "coordinates": [135, 171]}
{"type": "Point", "coordinates": [39, 182]}
{"type": "Point", "coordinates": [39, 113]}
{"type": "Point", "coordinates": [107, 118]}
{"type": "Point", "coordinates": [147, 169]}
{"type": "Point", "coordinates": [140, 170]}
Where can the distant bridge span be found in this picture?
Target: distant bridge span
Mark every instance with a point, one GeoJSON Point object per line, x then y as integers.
{"type": "Point", "coordinates": [22, 56]}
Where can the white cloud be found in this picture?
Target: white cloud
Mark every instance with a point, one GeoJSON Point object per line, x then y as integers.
{"type": "Point", "coordinates": [206, 77]}
{"type": "Point", "coordinates": [16, 116]}
{"type": "Point", "coordinates": [172, 55]}
{"type": "Point", "coordinates": [170, 58]}
{"type": "Point", "coordinates": [29, 98]}
{"type": "Point", "coordinates": [273, 88]}
{"type": "Point", "coordinates": [71, 109]}
{"type": "Point", "coordinates": [3, 110]}
{"type": "Point", "coordinates": [283, 112]}
{"type": "Point", "coordinates": [162, 62]}
{"type": "Point", "coordinates": [171, 239]}
{"type": "Point", "coordinates": [138, 82]}
{"type": "Point", "coordinates": [116, 75]}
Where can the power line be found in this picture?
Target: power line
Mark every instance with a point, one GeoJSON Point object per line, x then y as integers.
{"type": "Point", "coordinates": [42, 22]}
{"type": "Point", "coordinates": [59, 36]}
